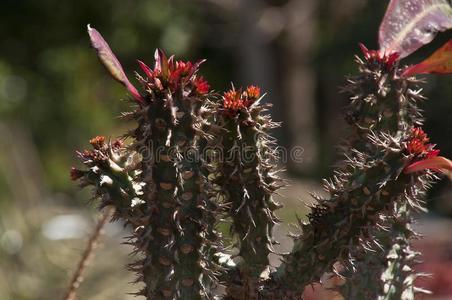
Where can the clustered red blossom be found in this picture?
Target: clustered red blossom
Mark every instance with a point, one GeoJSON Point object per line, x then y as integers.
{"type": "Point", "coordinates": [253, 92]}
{"type": "Point", "coordinates": [178, 70]}
{"type": "Point", "coordinates": [419, 144]}
{"type": "Point", "coordinates": [234, 100]}
{"type": "Point", "coordinates": [425, 157]}
{"type": "Point", "coordinates": [97, 142]}
{"type": "Point", "coordinates": [174, 74]}
{"type": "Point", "coordinates": [379, 57]}
{"type": "Point", "coordinates": [202, 86]}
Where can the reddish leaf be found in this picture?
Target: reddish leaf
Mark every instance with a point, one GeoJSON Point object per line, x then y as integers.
{"type": "Point", "coordinates": [410, 24]}
{"type": "Point", "coordinates": [110, 62]}
{"type": "Point", "coordinates": [161, 63]}
{"type": "Point", "coordinates": [437, 163]}
{"type": "Point", "coordinates": [145, 69]}
{"type": "Point", "coordinates": [195, 67]}
{"type": "Point", "coordinates": [439, 62]}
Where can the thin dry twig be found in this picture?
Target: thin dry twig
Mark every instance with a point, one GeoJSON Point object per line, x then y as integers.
{"type": "Point", "coordinates": [77, 278]}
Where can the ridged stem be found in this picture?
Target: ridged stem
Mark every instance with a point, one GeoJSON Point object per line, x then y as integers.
{"type": "Point", "coordinates": [249, 183]}
{"type": "Point", "coordinates": [180, 234]}
{"type": "Point", "coordinates": [403, 98]}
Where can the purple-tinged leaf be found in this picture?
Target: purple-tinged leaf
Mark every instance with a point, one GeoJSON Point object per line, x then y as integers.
{"type": "Point", "coordinates": [145, 69]}
{"type": "Point", "coordinates": [111, 63]}
{"type": "Point", "coordinates": [410, 24]}
{"type": "Point", "coordinates": [161, 63]}
{"type": "Point", "coordinates": [171, 62]}
{"type": "Point", "coordinates": [195, 67]}
{"type": "Point", "coordinates": [440, 62]}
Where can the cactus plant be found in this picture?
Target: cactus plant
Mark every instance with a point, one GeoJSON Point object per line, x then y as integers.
{"type": "Point", "coordinates": [196, 158]}
{"type": "Point", "coordinates": [249, 180]}
{"type": "Point", "coordinates": [171, 231]}
{"type": "Point", "coordinates": [370, 189]}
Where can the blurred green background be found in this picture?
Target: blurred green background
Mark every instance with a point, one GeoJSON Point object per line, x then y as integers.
{"type": "Point", "coordinates": [54, 96]}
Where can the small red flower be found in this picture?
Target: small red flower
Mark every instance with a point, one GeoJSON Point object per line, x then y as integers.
{"type": "Point", "coordinates": [178, 71]}
{"type": "Point", "coordinates": [378, 57]}
{"type": "Point", "coordinates": [98, 142]}
{"type": "Point", "coordinates": [235, 100]}
{"type": "Point", "coordinates": [232, 100]}
{"type": "Point", "coordinates": [419, 144]}
{"type": "Point", "coordinates": [183, 67]}
{"type": "Point", "coordinates": [201, 85]}
{"type": "Point", "coordinates": [253, 92]}
{"type": "Point", "coordinates": [416, 147]}
{"type": "Point", "coordinates": [425, 156]}
{"type": "Point", "coordinates": [172, 74]}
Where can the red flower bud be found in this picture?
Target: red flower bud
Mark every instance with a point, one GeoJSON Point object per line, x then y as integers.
{"type": "Point", "coordinates": [98, 142]}
{"type": "Point", "coordinates": [232, 100]}
{"type": "Point", "coordinates": [253, 92]}
{"type": "Point", "coordinates": [201, 85]}
{"type": "Point", "coordinates": [378, 57]}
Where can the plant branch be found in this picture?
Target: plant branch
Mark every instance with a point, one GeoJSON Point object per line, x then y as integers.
{"type": "Point", "coordinates": [77, 277]}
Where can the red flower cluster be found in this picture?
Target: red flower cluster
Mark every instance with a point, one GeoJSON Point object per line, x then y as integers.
{"type": "Point", "coordinates": [253, 92]}
{"type": "Point", "coordinates": [232, 100]}
{"type": "Point", "coordinates": [202, 86]}
{"type": "Point", "coordinates": [97, 142]}
{"type": "Point", "coordinates": [178, 70]}
{"type": "Point", "coordinates": [378, 57]}
{"type": "Point", "coordinates": [235, 100]}
{"type": "Point", "coordinates": [168, 72]}
{"type": "Point", "coordinates": [419, 144]}
{"type": "Point", "coordinates": [426, 157]}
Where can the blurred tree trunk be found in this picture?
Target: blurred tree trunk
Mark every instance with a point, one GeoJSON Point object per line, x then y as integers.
{"type": "Point", "coordinates": [299, 83]}
{"type": "Point", "coordinates": [292, 86]}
